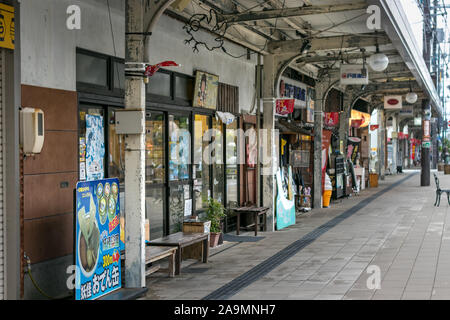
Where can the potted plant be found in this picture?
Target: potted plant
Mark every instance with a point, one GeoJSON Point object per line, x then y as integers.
{"type": "Point", "coordinates": [215, 213]}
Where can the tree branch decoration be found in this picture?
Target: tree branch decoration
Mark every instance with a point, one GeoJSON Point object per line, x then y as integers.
{"type": "Point", "coordinates": [194, 24]}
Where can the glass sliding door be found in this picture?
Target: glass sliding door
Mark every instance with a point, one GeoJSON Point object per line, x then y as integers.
{"type": "Point", "coordinates": [179, 151]}
{"type": "Point", "coordinates": [218, 161]}
{"type": "Point", "coordinates": [155, 173]}
{"type": "Point", "coordinates": [202, 160]}
{"type": "Point", "coordinates": [231, 156]}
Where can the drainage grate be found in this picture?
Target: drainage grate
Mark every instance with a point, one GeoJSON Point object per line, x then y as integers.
{"type": "Point", "coordinates": [257, 272]}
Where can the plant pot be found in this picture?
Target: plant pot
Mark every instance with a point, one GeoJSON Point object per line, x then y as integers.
{"type": "Point", "coordinates": [214, 239]}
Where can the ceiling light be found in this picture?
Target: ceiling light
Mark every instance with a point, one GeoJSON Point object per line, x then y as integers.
{"type": "Point", "coordinates": [378, 62]}
{"type": "Point", "coordinates": [411, 97]}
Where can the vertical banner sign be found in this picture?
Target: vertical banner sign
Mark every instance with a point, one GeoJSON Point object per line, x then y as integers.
{"type": "Point", "coordinates": [7, 29]}
{"type": "Point", "coordinates": [426, 132]}
{"type": "Point", "coordinates": [95, 147]}
{"type": "Point", "coordinates": [97, 238]}
{"type": "Point", "coordinates": [326, 140]}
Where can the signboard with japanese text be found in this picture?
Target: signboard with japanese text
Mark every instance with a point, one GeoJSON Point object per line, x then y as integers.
{"type": "Point", "coordinates": [97, 238]}
{"type": "Point", "coordinates": [7, 29]}
{"type": "Point", "coordinates": [353, 74]}
{"type": "Point", "coordinates": [291, 89]}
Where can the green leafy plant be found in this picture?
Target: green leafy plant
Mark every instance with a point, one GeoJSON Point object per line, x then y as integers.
{"type": "Point", "coordinates": [215, 213]}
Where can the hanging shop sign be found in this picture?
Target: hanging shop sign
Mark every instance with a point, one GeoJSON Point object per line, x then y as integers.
{"type": "Point", "coordinates": [331, 119]}
{"type": "Point", "coordinates": [374, 127]}
{"type": "Point", "coordinates": [205, 90]}
{"type": "Point", "coordinates": [359, 119]}
{"type": "Point", "coordinates": [353, 145]}
{"type": "Point", "coordinates": [284, 106]}
{"type": "Point", "coordinates": [393, 102]}
{"type": "Point", "coordinates": [407, 111]}
{"type": "Point", "coordinates": [353, 74]}
{"type": "Point", "coordinates": [426, 130]}
{"type": "Point", "coordinates": [296, 90]}
{"type": "Point", "coordinates": [97, 238]}
{"type": "Point", "coordinates": [7, 29]}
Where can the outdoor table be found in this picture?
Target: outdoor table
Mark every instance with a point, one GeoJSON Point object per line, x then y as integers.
{"type": "Point", "coordinates": [256, 211]}
{"type": "Point", "coordinates": [181, 240]}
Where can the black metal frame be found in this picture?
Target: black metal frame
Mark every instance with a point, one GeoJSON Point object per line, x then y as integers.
{"type": "Point", "coordinates": [110, 88]}
{"type": "Point", "coordinates": [105, 98]}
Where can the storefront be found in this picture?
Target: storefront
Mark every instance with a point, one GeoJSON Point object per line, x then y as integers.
{"type": "Point", "coordinates": [100, 88]}
{"type": "Point", "coordinates": [182, 170]}
{"type": "Point", "coordinates": [295, 121]}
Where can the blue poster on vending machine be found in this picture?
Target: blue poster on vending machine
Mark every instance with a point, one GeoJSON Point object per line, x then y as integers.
{"type": "Point", "coordinates": [97, 238]}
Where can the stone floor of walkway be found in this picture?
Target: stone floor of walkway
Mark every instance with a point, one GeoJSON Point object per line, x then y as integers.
{"type": "Point", "coordinates": [398, 238]}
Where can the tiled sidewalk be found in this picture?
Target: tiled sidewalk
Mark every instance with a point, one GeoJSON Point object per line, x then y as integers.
{"type": "Point", "coordinates": [400, 233]}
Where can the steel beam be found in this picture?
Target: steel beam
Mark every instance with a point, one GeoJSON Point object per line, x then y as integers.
{"type": "Point", "coordinates": [329, 43]}
{"type": "Point", "coordinates": [291, 12]}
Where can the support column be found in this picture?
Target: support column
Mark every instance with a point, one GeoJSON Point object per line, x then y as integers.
{"type": "Point", "coordinates": [321, 88]}
{"type": "Point", "coordinates": [381, 143]}
{"type": "Point", "coordinates": [269, 141]}
{"type": "Point", "coordinates": [135, 153]}
{"type": "Point", "coordinates": [345, 117]}
{"type": "Point", "coordinates": [425, 156]}
{"type": "Point", "coordinates": [394, 144]}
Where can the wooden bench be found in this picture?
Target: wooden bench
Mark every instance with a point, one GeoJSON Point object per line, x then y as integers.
{"type": "Point", "coordinates": [181, 240]}
{"type": "Point", "coordinates": [154, 253]}
{"type": "Point", "coordinates": [256, 211]}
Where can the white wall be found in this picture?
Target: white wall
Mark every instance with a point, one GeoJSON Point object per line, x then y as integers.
{"type": "Point", "coordinates": [167, 43]}
{"type": "Point", "coordinates": [48, 47]}
{"type": "Point", "coordinates": [49, 57]}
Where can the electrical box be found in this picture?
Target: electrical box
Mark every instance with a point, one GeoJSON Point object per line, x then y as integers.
{"type": "Point", "coordinates": [32, 130]}
{"type": "Point", "coordinates": [130, 121]}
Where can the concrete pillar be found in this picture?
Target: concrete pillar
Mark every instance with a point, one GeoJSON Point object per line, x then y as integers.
{"type": "Point", "coordinates": [425, 156]}
{"type": "Point", "coordinates": [394, 144]}
{"type": "Point", "coordinates": [344, 118]}
{"type": "Point", "coordinates": [381, 143]}
{"type": "Point", "coordinates": [319, 102]}
{"type": "Point", "coordinates": [135, 153]}
{"type": "Point", "coordinates": [269, 141]}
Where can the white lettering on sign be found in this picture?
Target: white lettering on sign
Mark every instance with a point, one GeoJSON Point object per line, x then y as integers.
{"type": "Point", "coordinates": [374, 20]}
{"type": "Point", "coordinates": [73, 22]}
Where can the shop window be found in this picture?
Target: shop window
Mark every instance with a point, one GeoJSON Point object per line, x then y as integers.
{"type": "Point", "coordinates": [116, 150]}
{"type": "Point", "coordinates": [91, 143]}
{"type": "Point", "coordinates": [159, 84]}
{"type": "Point", "coordinates": [99, 74]}
{"type": "Point", "coordinates": [176, 208]}
{"type": "Point", "coordinates": [179, 147]}
{"type": "Point", "coordinates": [218, 163]}
{"type": "Point", "coordinates": [231, 165]}
{"type": "Point", "coordinates": [92, 70]}
{"type": "Point", "coordinates": [202, 167]}
{"type": "Point", "coordinates": [154, 208]}
{"type": "Point", "coordinates": [154, 148]}
{"type": "Point", "coordinates": [119, 75]}
{"type": "Point", "coordinates": [183, 88]}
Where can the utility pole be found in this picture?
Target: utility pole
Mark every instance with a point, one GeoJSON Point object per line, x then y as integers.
{"type": "Point", "coordinates": [135, 151]}
{"type": "Point", "coordinates": [425, 158]}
